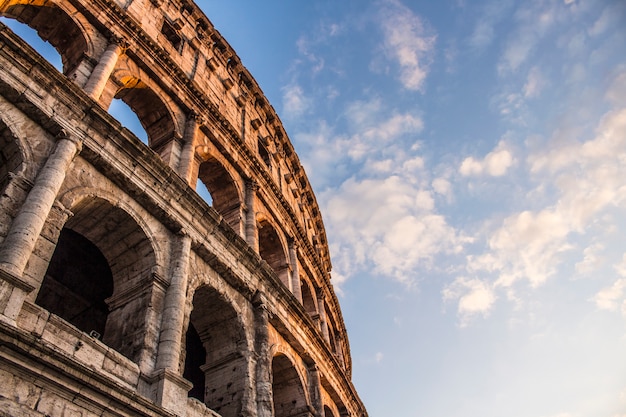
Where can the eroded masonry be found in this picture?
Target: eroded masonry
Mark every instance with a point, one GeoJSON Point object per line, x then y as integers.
{"type": "Point", "coordinates": [124, 293]}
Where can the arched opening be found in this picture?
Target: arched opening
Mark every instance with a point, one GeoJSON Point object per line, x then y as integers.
{"type": "Point", "coordinates": [128, 118]}
{"type": "Point", "coordinates": [77, 283]}
{"type": "Point", "coordinates": [194, 360]}
{"type": "Point", "coordinates": [308, 299]}
{"type": "Point", "coordinates": [31, 37]}
{"type": "Point", "coordinates": [224, 365]}
{"type": "Point", "coordinates": [331, 333]}
{"type": "Point", "coordinates": [287, 390]}
{"type": "Point", "coordinates": [328, 412]}
{"type": "Point", "coordinates": [104, 250]}
{"type": "Point", "coordinates": [152, 113]}
{"type": "Point", "coordinates": [272, 252]}
{"type": "Point", "coordinates": [224, 194]}
{"type": "Point", "coordinates": [52, 25]}
{"type": "Point", "coordinates": [264, 154]}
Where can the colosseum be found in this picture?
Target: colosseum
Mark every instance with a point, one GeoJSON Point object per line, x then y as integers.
{"type": "Point", "coordinates": [123, 292]}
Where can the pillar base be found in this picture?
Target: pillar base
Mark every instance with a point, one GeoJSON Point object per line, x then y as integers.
{"type": "Point", "coordinates": [169, 390]}
{"type": "Point", "coordinates": [13, 292]}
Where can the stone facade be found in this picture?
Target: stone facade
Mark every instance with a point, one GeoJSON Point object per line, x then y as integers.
{"type": "Point", "coordinates": [122, 292]}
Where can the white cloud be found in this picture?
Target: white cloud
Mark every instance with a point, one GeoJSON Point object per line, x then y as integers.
{"type": "Point", "coordinates": [474, 296]}
{"type": "Point", "coordinates": [295, 103]}
{"type": "Point", "coordinates": [442, 186]}
{"type": "Point", "coordinates": [583, 180]}
{"type": "Point", "coordinates": [612, 298]}
{"type": "Point", "coordinates": [591, 259]}
{"type": "Point", "coordinates": [388, 224]}
{"type": "Point", "coordinates": [407, 42]}
{"type": "Point", "coordinates": [496, 163]}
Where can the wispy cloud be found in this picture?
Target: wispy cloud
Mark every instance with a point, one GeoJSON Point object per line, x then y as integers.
{"type": "Point", "coordinates": [406, 41]}
{"type": "Point", "coordinates": [585, 178]}
{"type": "Point", "coordinates": [295, 103]}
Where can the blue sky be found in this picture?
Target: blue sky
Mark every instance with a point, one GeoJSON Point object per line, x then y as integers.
{"type": "Point", "coordinates": [470, 163]}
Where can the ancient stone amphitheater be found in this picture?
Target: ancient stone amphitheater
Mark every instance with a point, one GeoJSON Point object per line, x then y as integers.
{"type": "Point", "coordinates": [122, 291]}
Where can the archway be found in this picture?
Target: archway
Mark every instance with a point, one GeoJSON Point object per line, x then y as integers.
{"type": "Point", "coordinates": [55, 26]}
{"type": "Point", "coordinates": [77, 283]}
{"type": "Point", "coordinates": [103, 249]}
{"type": "Point", "coordinates": [151, 111]}
{"type": "Point", "coordinates": [287, 389]}
{"type": "Point", "coordinates": [272, 252]}
{"type": "Point", "coordinates": [224, 195]}
{"type": "Point", "coordinates": [223, 343]}
{"type": "Point", "coordinates": [328, 412]}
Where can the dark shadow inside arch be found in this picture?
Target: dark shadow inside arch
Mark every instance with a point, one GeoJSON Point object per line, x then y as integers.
{"type": "Point", "coordinates": [287, 391]}
{"type": "Point", "coordinates": [328, 412]}
{"type": "Point", "coordinates": [52, 25]}
{"type": "Point", "coordinates": [77, 283]}
{"type": "Point", "coordinates": [194, 360]}
{"type": "Point", "coordinates": [102, 256]}
{"type": "Point", "coordinates": [221, 336]}
{"type": "Point", "coordinates": [308, 299]}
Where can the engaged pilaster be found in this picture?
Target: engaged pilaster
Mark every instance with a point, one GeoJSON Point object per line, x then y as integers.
{"type": "Point", "coordinates": [17, 247]}
{"type": "Point", "coordinates": [295, 272]}
{"type": "Point", "coordinates": [265, 405]}
{"type": "Point", "coordinates": [186, 166]}
{"type": "Point", "coordinates": [252, 233]}
{"type": "Point", "coordinates": [103, 70]}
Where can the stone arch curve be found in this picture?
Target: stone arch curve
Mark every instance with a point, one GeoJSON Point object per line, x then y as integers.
{"type": "Point", "coordinates": [272, 248]}
{"type": "Point", "coordinates": [216, 350]}
{"type": "Point", "coordinates": [17, 128]}
{"type": "Point", "coordinates": [328, 411]}
{"type": "Point", "coordinates": [222, 184]}
{"type": "Point", "coordinates": [57, 23]}
{"type": "Point", "coordinates": [289, 393]}
{"type": "Point", "coordinates": [73, 197]}
{"type": "Point", "coordinates": [12, 155]}
{"type": "Point", "coordinates": [152, 106]}
{"type": "Point", "coordinates": [309, 297]}
{"type": "Point", "coordinates": [131, 285]}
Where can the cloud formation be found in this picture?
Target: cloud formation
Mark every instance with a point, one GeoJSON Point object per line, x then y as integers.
{"type": "Point", "coordinates": [407, 42]}
{"type": "Point", "coordinates": [496, 163]}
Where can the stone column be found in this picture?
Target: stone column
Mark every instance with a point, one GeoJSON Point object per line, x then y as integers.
{"type": "Point", "coordinates": [322, 313]}
{"type": "Point", "coordinates": [265, 405]}
{"type": "Point", "coordinates": [252, 233]}
{"type": "Point", "coordinates": [185, 167]}
{"type": "Point", "coordinates": [295, 271]}
{"type": "Point", "coordinates": [167, 383]}
{"type": "Point", "coordinates": [18, 246]}
{"type": "Point", "coordinates": [172, 320]}
{"type": "Point", "coordinates": [103, 70]}
{"type": "Point", "coordinates": [315, 392]}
